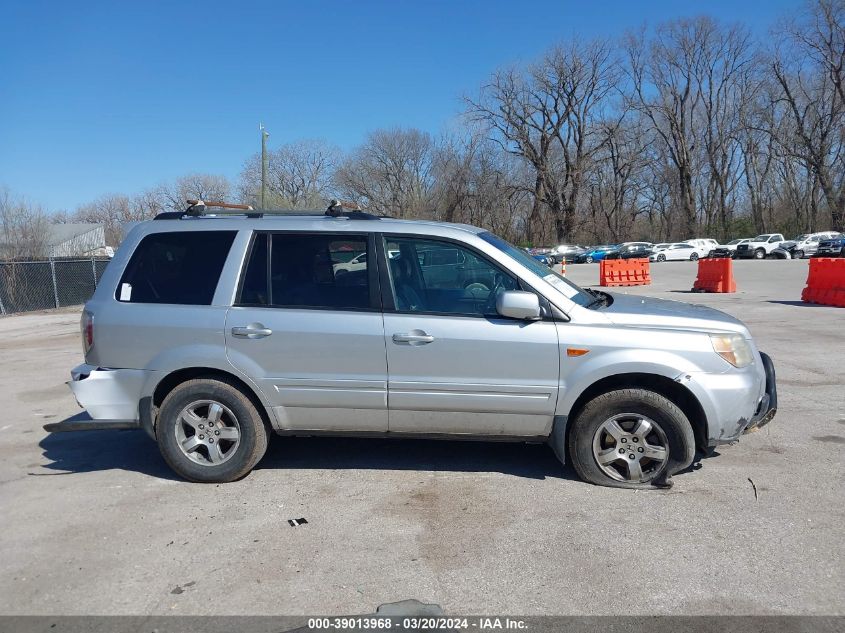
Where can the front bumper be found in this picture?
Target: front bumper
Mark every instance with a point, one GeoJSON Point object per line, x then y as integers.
{"type": "Point", "coordinates": [768, 407]}
{"type": "Point", "coordinates": [736, 401]}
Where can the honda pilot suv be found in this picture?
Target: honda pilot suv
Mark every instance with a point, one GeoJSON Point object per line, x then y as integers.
{"type": "Point", "coordinates": [211, 332]}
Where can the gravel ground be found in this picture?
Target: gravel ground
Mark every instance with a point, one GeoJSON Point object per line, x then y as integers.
{"type": "Point", "coordinates": [95, 523]}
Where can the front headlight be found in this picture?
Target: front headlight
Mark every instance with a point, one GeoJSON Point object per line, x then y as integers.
{"type": "Point", "coordinates": [733, 348]}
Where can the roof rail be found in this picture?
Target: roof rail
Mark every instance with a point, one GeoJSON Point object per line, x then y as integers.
{"type": "Point", "coordinates": [198, 208]}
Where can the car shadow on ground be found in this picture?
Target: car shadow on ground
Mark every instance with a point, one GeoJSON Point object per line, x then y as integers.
{"type": "Point", "coordinates": [133, 450]}
{"type": "Point", "coordinates": [531, 461]}
{"type": "Point", "coordinates": [803, 304]}
{"type": "Point", "coordinates": [91, 451]}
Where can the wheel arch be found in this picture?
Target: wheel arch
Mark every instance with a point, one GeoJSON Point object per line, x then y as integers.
{"type": "Point", "coordinates": [175, 378]}
{"type": "Point", "coordinates": [677, 393]}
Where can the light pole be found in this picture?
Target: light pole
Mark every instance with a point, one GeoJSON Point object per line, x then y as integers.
{"type": "Point", "coordinates": [264, 135]}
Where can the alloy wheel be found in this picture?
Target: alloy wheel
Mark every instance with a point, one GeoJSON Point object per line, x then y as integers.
{"type": "Point", "coordinates": [630, 447]}
{"type": "Point", "coordinates": [207, 432]}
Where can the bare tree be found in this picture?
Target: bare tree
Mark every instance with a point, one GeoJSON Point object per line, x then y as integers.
{"type": "Point", "coordinates": [23, 228]}
{"type": "Point", "coordinates": [391, 173]}
{"type": "Point", "coordinates": [299, 175]}
{"type": "Point", "coordinates": [549, 116]}
{"type": "Point", "coordinates": [723, 77]}
{"type": "Point", "coordinates": [663, 74]}
{"type": "Point", "coordinates": [115, 211]}
{"type": "Point", "coordinates": [809, 74]}
{"type": "Point", "coordinates": [196, 186]}
{"type": "Point", "coordinates": [616, 181]}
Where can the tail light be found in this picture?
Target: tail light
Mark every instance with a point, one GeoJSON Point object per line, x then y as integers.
{"type": "Point", "coordinates": [87, 331]}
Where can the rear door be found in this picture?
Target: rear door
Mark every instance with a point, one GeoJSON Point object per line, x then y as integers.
{"type": "Point", "coordinates": [454, 365]}
{"type": "Point", "coordinates": [310, 332]}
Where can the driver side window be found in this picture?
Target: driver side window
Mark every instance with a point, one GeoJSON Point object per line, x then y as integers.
{"type": "Point", "coordinates": [433, 276]}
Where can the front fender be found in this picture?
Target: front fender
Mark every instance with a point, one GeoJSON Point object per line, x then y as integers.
{"type": "Point", "coordinates": [577, 381]}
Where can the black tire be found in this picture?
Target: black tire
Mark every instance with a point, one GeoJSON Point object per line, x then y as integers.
{"type": "Point", "coordinates": [661, 258]}
{"type": "Point", "coordinates": [250, 447]}
{"type": "Point", "coordinates": [693, 257]}
{"type": "Point", "coordinates": [798, 255]}
{"type": "Point", "coordinates": [589, 260]}
{"type": "Point", "coordinates": [760, 254]}
{"type": "Point", "coordinates": [675, 426]}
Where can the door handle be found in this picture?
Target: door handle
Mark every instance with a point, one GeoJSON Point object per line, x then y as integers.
{"type": "Point", "coordinates": [251, 331]}
{"type": "Point", "coordinates": [414, 337]}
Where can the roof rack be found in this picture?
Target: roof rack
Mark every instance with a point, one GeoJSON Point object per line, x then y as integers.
{"type": "Point", "coordinates": [336, 210]}
{"type": "Point", "coordinates": [198, 208]}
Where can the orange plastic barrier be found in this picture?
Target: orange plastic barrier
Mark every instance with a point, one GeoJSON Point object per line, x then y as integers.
{"type": "Point", "coordinates": [715, 275]}
{"type": "Point", "coordinates": [624, 272]}
{"type": "Point", "coordinates": [826, 282]}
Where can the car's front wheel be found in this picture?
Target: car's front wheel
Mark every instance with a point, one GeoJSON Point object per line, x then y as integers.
{"type": "Point", "coordinates": [209, 431]}
{"type": "Point", "coordinates": [798, 255]}
{"type": "Point", "coordinates": [760, 253]}
{"type": "Point", "coordinates": [661, 258]}
{"type": "Point", "coordinates": [630, 438]}
{"type": "Point", "coordinates": [589, 259]}
{"type": "Point", "coordinates": [693, 257]}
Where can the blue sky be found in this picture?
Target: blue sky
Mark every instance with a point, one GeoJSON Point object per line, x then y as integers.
{"type": "Point", "coordinates": [99, 97]}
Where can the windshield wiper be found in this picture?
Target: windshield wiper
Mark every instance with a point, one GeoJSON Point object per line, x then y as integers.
{"type": "Point", "coordinates": [599, 298]}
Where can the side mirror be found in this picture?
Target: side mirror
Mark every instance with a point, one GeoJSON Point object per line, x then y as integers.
{"type": "Point", "coordinates": [515, 304]}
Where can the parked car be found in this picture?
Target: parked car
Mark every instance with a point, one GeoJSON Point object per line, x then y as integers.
{"type": "Point", "coordinates": [703, 246]}
{"type": "Point", "coordinates": [834, 247]}
{"type": "Point", "coordinates": [676, 252]}
{"type": "Point", "coordinates": [630, 251]}
{"type": "Point", "coordinates": [785, 251]}
{"type": "Point", "coordinates": [568, 252]}
{"type": "Point", "coordinates": [729, 249]}
{"type": "Point", "coordinates": [546, 260]}
{"type": "Point", "coordinates": [595, 255]}
{"type": "Point", "coordinates": [359, 262]}
{"type": "Point", "coordinates": [806, 245]}
{"type": "Point", "coordinates": [759, 247]}
{"type": "Point", "coordinates": [356, 263]}
{"type": "Point", "coordinates": [210, 333]}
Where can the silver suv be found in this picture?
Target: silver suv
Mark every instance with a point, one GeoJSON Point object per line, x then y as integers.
{"type": "Point", "coordinates": [212, 332]}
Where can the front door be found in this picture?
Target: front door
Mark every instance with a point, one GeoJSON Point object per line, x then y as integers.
{"type": "Point", "coordinates": [454, 365]}
{"type": "Point", "coordinates": [308, 328]}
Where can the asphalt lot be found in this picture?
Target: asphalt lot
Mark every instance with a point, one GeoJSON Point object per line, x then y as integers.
{"type": "Point", "coordinates": [95, 523]}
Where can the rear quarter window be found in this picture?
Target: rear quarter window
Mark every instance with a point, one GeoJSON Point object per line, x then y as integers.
{"type": "Point", "coordinates": [182, 267]}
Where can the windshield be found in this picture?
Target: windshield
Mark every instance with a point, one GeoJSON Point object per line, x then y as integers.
{"type": "Point", "coordinates": [562, 284]}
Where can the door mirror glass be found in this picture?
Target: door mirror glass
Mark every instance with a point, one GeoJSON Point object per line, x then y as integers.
{"type": "Point", "coordinates": [515, 304]}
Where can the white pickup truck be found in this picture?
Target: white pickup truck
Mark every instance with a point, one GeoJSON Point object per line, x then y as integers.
{"type": "Point", "coordinates": [760, 246]}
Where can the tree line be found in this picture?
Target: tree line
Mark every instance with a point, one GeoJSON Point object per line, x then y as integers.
{"type": "Point", "coordinates": [693, 128]}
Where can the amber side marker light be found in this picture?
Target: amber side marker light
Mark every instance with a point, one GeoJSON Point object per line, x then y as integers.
{"type": "Point", "coordinates": [574, 351]}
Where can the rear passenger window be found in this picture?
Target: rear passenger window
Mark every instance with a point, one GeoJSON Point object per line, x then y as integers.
{"type": "Point", "coordinates": [308, 271]}
{"type": "Point", "coordinates": [182, 267]}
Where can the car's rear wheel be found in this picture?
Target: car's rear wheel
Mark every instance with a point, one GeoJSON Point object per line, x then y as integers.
{"type": "Point", "coordinates": [693, 257]}
{"type": "Point", "coordinates": [630, 438]}
{"type": "Point", "coordinates": [798, 255]}
{"type": "Point", "coordinates": [661, 258]}
{"type": "Point", "coordinates": [589, 259]}
{"type": "Point", "coordinates": [208, 430]}
{"type": "Point", "coordinates": [760, 253]}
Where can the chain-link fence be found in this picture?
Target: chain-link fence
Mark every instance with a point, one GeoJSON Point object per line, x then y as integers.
{"type": "Point", "coordinates": [53, 283]}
